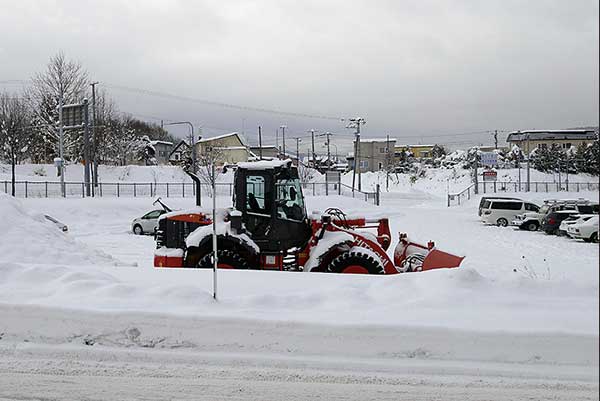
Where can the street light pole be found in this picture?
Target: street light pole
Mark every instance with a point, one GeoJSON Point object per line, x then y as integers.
{"type": "Point", "coordinates": [192, 142]}
{"type": "Point", "coordinates": [283, 127]}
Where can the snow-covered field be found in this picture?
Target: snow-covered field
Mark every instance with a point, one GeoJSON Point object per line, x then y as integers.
{"type": "Point", "coordinates": [88, 303]}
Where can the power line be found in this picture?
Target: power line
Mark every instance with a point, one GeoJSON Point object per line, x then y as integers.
{"type": "Point", "coordinates": [218, 104]}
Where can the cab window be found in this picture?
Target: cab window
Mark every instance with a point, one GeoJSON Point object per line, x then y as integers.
{"type": "Point", "coordinates": [290, 204]}
{"type": "Point", "coordinates": [255, 194]}
{"type": "Point", "coordinates": [152, 215]}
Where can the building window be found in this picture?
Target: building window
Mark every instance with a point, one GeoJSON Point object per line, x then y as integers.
{"type": "Point", "coordinates": [542, 146]}
{"type": "Point", "coordinates": [424, 153]}
{"type": "Point", "coordinates": [364, 164]}
{"type": "Point", "coordinates": [566, 145]}
{"type": "Point", "coordinates": [383, 150]}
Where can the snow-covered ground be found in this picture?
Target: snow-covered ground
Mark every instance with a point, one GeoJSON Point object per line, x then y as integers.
{"type": "Point", "coordinates": [89, 303]}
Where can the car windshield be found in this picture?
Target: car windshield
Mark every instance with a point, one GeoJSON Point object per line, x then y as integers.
{"type": "Point", "coordinates": [290, 204]}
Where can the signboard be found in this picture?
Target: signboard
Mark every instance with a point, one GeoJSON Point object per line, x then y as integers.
{"type": "Point", "coordinates": [489, 158]}
{"type": "Point", "coordinates": [73, 115]}
{"type": "Point", "coordinates": [490, 175]}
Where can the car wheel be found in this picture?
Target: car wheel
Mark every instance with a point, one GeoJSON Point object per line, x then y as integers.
{"type": "Point", "coordinates": [502, 222]}
{"type": "Point", "coordinates": [532, 226]}
{"type": "Point", "coordinates": [137, 230]}
{"type": "Point", "coordinates": [594, 238]}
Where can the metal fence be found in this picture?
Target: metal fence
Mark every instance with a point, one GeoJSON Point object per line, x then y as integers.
{"type": "Point", "coordinates": [51, 189]}
{"type": "Point", "coordinates": [508, 187]}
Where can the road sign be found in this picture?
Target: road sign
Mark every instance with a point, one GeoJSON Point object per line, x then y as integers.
{"type": "Point", "coordinates": [490, 175]}
{"type": "Point", "coordinates": [73, 115]}
{"type": "Point", "coordinates": [489, 158]}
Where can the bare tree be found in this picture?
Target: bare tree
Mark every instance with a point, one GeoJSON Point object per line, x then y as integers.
{"type": "Point", "coordinates": [207, 161]}
{"type": "Point", "coordinates": [64, 79]}
{"type": "Point", "coordinates": [14, 135]}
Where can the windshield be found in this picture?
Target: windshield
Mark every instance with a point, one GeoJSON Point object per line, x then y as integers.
{"type": "Point", "coordinates": [290, 203]}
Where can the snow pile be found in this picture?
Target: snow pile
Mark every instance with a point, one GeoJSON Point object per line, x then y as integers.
{"type": "Point", "coordinates": [28, 237]}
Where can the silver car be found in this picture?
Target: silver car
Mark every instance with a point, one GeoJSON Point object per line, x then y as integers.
{"type": "Point", "coordinates": [148, 223]}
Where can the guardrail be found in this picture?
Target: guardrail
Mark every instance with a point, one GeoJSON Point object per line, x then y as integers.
{"type": "Point", "coordinates": [51, 189]}
{"type": "Point", "coordinates": [509, 186]}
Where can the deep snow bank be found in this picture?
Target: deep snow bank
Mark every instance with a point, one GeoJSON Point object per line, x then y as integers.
{"type": "Point", "coordinates": [28, 237]}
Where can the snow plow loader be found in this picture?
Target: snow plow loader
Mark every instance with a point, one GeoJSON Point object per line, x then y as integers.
{"type": "Point", "coordinates": [268, 229]}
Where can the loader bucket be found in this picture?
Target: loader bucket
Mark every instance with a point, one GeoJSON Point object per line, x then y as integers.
{"type": "Point", "coordinates": [439, 260]}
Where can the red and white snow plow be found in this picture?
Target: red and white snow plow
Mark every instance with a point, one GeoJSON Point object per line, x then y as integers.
{"type": "Point", "coordinates": [268, 229]}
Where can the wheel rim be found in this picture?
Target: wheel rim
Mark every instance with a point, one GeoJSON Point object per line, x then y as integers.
{"type": "Point", "coordinates": [532, 227]}
{"type": "Point", "coordinates": [502, 222]}
{"type": "Point", "coordinates": [137, 230]}
{"type": "Point", "coordinates": [355, 269]}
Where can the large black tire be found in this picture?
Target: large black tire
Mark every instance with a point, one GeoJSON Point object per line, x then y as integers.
{"type": "Point", "coordinates": [532, 226]}
{"type": "Point", "coordinates": [594, 238]}
{"type": "Point", "coordinates": [502, 222]}
{"type": "Point", "coordinates": [355, 258]}
{"type": "Point", "coordinates": [226, 257]}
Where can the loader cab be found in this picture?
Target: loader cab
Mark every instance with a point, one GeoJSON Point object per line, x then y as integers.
{"type": "Point", "coordinates": [269, 195]}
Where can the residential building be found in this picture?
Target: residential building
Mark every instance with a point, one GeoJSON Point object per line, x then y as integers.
{"type": "Point", "coordinates": [529, 140]}
{"type": "Point", "coordinates": [418, 151]}
{"type": "Point", "coordinates": [232, 148]}
{"type": "Point", "coordinates": [159, 151]}
{"type": "Point", "coordinates": [374, 154]}
{"type": "Point", "coordinates": [179, 152]}
{"type": "Point", "coordinates": [268, 151]}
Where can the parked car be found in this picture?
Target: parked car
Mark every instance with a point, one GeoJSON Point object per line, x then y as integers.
{"type": "Point", "coordinates": [148, 223]}
{"type": "Point", "coordinates": [501, 211]}
{"type": "Point", "coordinates": [576, 218]}
{"type": "Point", "coordinates": [484, 198]}
{"type": "Point", "coordinates": [551, 222]}
{"type": "Point", "coordinates": [533, 220]}
{"type": "Point", "coordinates": [586, 230]}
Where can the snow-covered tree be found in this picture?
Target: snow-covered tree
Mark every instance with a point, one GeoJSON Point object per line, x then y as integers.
{"type": "Point", "coordinates": [64, 78]}
{"type": "Point", "coordinates": [14, 131]}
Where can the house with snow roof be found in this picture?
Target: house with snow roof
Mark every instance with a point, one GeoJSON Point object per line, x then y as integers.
{"type": "Point", "coordinates": [232, 148]}
{"type": "Point", "coordinates": [564, 138]}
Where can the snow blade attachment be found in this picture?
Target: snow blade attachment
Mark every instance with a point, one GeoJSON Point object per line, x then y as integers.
{"type": "Point", "coordinates": [438, 260]}
{"type": "Point", "coordinates": [411, 257]}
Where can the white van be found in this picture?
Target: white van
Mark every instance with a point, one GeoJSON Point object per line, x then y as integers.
{"type": "Point", "coordinates": [501, 211]}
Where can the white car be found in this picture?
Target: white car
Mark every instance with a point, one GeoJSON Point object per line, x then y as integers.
{"type": "Point", "coordinates": [502, 211]}
{"type": "Point", "coordinates": [532, 220]}
{"type": "Point", "coordinates": [148, 223]}
{"type": "Point", "coordinates": [586, 230]}
{"type": "Point", "coordinates": [578, 218]}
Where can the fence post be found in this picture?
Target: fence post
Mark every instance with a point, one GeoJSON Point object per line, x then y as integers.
{"type": "Point", "coordinates": [167, 189]}
{"type": "Point", "coordinates": [469, 193]}
{"type": "Point", "coordinates": [5, 187]}
{"type": "Point", "coordinates": [118, 190]}
{"type": "Point", "coordinates": [26, 189]}
{"type": "Point", "coordinates": [46, 188]}
{"type": "Point", "coordinates": [313, 189]}
{"type": "Point", "coordinates": [494, 186]}
{"type": "Point", "coordinates": [448, 199]}
{"type": "Point", "coordinates": [377, 193]}
{"type": "Point", "coordinates": [458, 196]}
{"type": "Point", "coordinates": [577, 187]}
{"type": "Point", "coordinates": [134, 190]}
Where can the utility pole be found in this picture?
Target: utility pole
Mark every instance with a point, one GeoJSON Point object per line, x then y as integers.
{"type": "Point", "coordinates": [86, 147]}
{"type": "Point", "coordinates": [328, 150]}
{"type": "Point", "coordinates": [312, 138]}
{"type": "Point", "coordinates": [387, 162]}
{"type": "Point", "coordinates": [259, 143]}
{"type": "Point", "coordinates": [496, 139]}
{"type": "Point", "coordinates": [528, 176]}
{"type": "Point", "coordinates": [298, 140]}
{"type": "Point", "coordinates": [356, 123]}
{"type": "Point", "coordinates": [283, 127]}
{"type": "Point", "coordinates": [277, 140]}
{"type": "Point", "coordinates": [95, 140]}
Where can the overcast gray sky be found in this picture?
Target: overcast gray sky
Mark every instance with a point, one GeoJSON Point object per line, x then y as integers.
{"type": "Point", "coordinates": [422, 71]}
